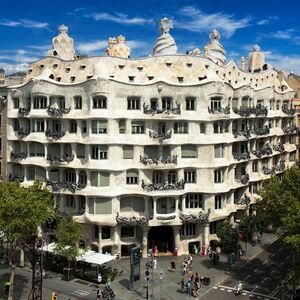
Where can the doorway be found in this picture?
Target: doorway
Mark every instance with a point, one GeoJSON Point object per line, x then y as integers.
{"type": "Point", "coordinates": [162, 237]}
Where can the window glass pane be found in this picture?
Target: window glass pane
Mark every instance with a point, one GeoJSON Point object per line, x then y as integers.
{"type": "Point", "coordinates": [188, 151]}
{"type": "Point", "coordinates": [103, 206]}
{"type": "Point", "coordinates": [80, 151]}
{"type": "Point", "coordinates": [125, 204]}
{"type": "Point", "coordinates": [151, 151]}
{"type": "Point", "coordinates": [128, 152]}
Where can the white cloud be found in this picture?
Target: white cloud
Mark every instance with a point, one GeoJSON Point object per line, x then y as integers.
{"type": "Point", "coordinates": [24, 23]}
{"type": "Point", "coordinates": [283, 34]}
{"type": "Point", "coordinates": [120, 18]}
{"type": "Point", "coordinates": [199, 21]}
{"type": "Point", "coordinates": [267, 20]}
{"type": "Point", "coordinates": [39, 47]}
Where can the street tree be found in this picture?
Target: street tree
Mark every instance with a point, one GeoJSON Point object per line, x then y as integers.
{"type": "Point", "coordinates": [228, 237]}
{"type": "Point", "coordinates": [22, 211]}
{"type": "Point", "coordinates": [68, 235]}
{"type": "Point", "coordinates": [280, 207]}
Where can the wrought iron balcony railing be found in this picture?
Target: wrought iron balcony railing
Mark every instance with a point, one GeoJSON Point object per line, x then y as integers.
{"type": "Point", "coordinates": [57, 112]}
{"type": "Point", "coordinates": [132, 221]}
{"type": "Point", "coordinates": [290, 129]}
{"type": "Point", "coordinates": [245, 133]}
{"type": "Point", "coordinates": [288, 111]}
{"type": "Point", "coordinates": [24, 111]}
{"type": "Point", "coordinates": [200, 218]}
{"type": "Point", "coordinates": [54, 134]}
{"type": "Point", "coordinates": [243, 179]}
{"type": "Point", "coordinates": [59, 160]}
{"type": "Point", "coordinates": [261, 130]}
{"type": "Point", "coordinates": [150, 187]}
{"type": "Point", "coordinates": [18, 156]}
{"type": "Point", "coordinates": [78, 212]}
{"type": "Point", "coordinates": [265, 150]}
{"type": "Point", "coordinates": [160, 160]}
{"type": "Point", "coordinates": [279, 148]}
{"type": "Point", "coordinates": [57, 186]}
{"type": "Point", "coordinates": [22, 132]}
{"type": "Point", "coordinates": [219, 110]}
{"type": "Point", "coordinates": [166, 218]}
{"type": "Point", "coordinates": [280, 166]}
{"type": "Point", "coordinates": [175, 110]}
{"type": "Point", "coordinates": [160, 137]}
{"type": "Point", "coordinates": [267, 170]}
{"type": "Point", "coordinates": [241, 156]}
{"type": "Point", "coordinates": [243, 200]}
{"type": "Point", "coordinates": [259, 110]}
{"type": "Point", "coordinates": [12, 177]}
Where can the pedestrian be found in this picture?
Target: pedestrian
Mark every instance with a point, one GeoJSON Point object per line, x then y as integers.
{"type": "Point", "coordinates": [173, 265]}
{"type": "Point", "coordinates": [182, 284]}
{"type": "Point", "coordinates": [154, 263]}
{"type": "Point", "coordinates": [7, 284]}
{"type": "Point", "coordinates": [99, 279]}
{"type": "Point", "coordinates": [99, 293]}
{"type": "Point", "coordinates": [189, 286]}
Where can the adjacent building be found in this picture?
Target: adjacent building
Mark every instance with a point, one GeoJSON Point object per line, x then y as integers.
{"type": "Point", "coordinates": [150, 151]}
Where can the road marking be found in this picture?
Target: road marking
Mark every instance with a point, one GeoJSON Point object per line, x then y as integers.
{"type": "Point", "coordinates": [254, 288]}
{"type": "Point", "coordinates": [229, 291]}
{"type": "Point", "coordinates": [265, 262]}
{"type": "Point", "coordinates": [266, 278]}
{"type": "Point", "coordinates": [246, 277]}
{"type": "Point", "coordinates": [215, 287]}
{"type": "Point", "coordinates": [281, 263]}
{"type": "Point", "coordinates": [81, 293]}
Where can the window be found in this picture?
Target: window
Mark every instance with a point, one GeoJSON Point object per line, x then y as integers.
{"type": "Point", "coordinates": [99, 102]}
{"type": "Point", "coordinates": [38, 125]}
{"type": "Point", "coordinates": [36, 149]}
{"type": "Point", "coordinates": [132, 204]}
{"type": "Point", "coordinates": [80, 151]}
{"type": "Point", "coordinates": [151, 152]}
{"type": "Point", "coordinates": [16, 124]}
{"type": "Point", "coordinates": [193, 201]}
{"type": "Point", "coordinates": [99, 126]}
{"type": "Point", "coordinates": [137, 127]}
{"type": "Point", "coordinates": [215, 103]}
{"type": "Point", "coordinates": [99, 179]}
{"type": "Point", "coordinates": [188, 151]}
{"type": "Point", "coordinates": [219, 175]}
{"type": "Point", "coordinates": [96, 232]}
{"type": "Point", "coordinates": [254, 187]}
{"type": "Point", "coordinates": [172, 177]}
{"type": "Point", "coordinates": [189, 176]}
{"type": "Point", "coordinates": [70, 175]}
{"type": "Point", "coordinates": [270, 123]}
{"type": "Point", "coordinates": [218, 127]}
{"type": "Point", "coordinates": [158, 177]}
{"type": "Point", "coordinates": [84, 127]}
{"type": "Point", "coordinates": [218, 202]}
{"type": "Point", "coordinates": [278, 104]}
{"type": "Point", "coordinates": [292, 156]}
{"type": "Point", "coordinates": [260, 103]}
{"type": "Point", "coordinates": [219, 150]}
{"type": "Point", "coordinates": [202, 128]}
{"type": "Point", "coordinates": [36, 173]}
{"type": "Point", "coordinates": [188, 229]}
{"type": "Point", "coordinates": [255, 167]}
{"type": "Point", "coordinates": [133, 103]}
{"type": "Point", "coordinates": [99, 152]}
{"type": "Point", "coordinates": [180, 127]}
{"type": "Point", "coordinates": [78, 102]}
{"type": "Point", "coordinates": [153, 103]}
{"type": "Point", "coordinates": [265, 164]}
{"type": "Point", "coordinates": [166, 103]}
{"type": "Point", "coordinates": [132, 177]}
{"type": "Point", "coordinates": [122, 126]}
{"type": "Point", "coordinates": [246, 102]}
{"type": "Point", "coordinates": [105, 232]}
{"type": "Point", "coordinates": [190, 103]}
{"type": "Point", "coordinates": [73, 126]}
{"type": "Point", "coordinates": [100, 206]}
{"type": "Point", "coordinates": [285, 104]}
{"type": "Point", "coordinates": [16, 102]}
{"type": "Point", "coordinates": [82, 178]}
{"type": "Point", "coordinates": [127, 231]}
{"type": "Point", "coordinates": [213, 227]}
{"type": "Point", "coordinates": [235, 102]}
{"type": "Point", "coordinates": [39, 102]}
{"type": "Point", "coordinates": [70, 201]}
{"type": "Point", "coordinates": [128, 152]}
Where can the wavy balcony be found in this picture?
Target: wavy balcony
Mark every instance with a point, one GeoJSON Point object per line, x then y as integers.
{"type": "Point", "coordinates": [290, 129]}
{"type": "Point", "coordinates": [175, 110]}
{"type": "Point", "coordinates": [22, 132]}
{"type": "Point", "coordinates": [57, 112]}
{"type": "Point", "coordinates": [258, 111]}
{"type": "Point", "coordinates": [243, 179]}
{"type": "Point", "coordinates": [151, 187]}
{"type": "Point", "coordinates": [12, 177]}
{"type": "Point", "coordinates": [219, 110]}
{"type": "Point", "coordinates": [132, 221]}
{"type": "Point", "coordinates": [268, 171]}
{"type": "Point", "coordinates": [261, 130]}
{"type": "Point", "coordinates": [288, 111]}
{"type": "Point", "coordinates": [279, 148]}
{"type": "Point", "coordinates": [18, 156]}
{"type": "Point", "coordinates": [243, 200]}
{"type": "Point", "coordinates": [190, 218]}
{"type": "Point", "coordinates": [266, 150]}
{"type": "Point", "coordinates": [24, 111]}
{"type": "Point", "coordinates": [244, 133]}
{"type": "Point", "coordinates": [72, 187]}
{"type": "Point", "coordinates": [157, 161]}
{"type": "Point", "coordinates": [160, 137]}
{"type": "Point", "coordinates": [280, 166]}
{"type": "Point", "coordinates": [55, 135]}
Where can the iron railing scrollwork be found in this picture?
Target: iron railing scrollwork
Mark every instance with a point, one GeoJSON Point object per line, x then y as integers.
{"type": "Point", "coordinates": [59, 160]}
{"type": "Point", "coordinates": [160, 137]}
{"type": "Point", "coordinates": [22, 132]}
{"type": "Point", "coordinates": [258, 111]}
{"type": "Point", "coordinates": [132, 221]}
{"type": "Point", "coordinates": [245, 133]}
{"type": "Point", "coordinates": [288, 111]}
{"type": "Point", "coordinates": [54, 134]}
{"type": "Point", "coordinates": [280, 166]}
{"type": "Point", "coordinates": [219, 110]}
{"type": "Point", "coordinates": [279, 148]}
{"type": "Point", "coordinates": [200, 218]}
{"type": "Point", "coordinates": [65, 186]}
{"type": "Point", "coordinates": [290, 129]}
{"type": "Point", "coordinates": [243, 200]}
{"type": "Point", "coordinates": [18, 156]}
{"type": "Point", "coordinates": [160, 160]}
{"type": "Point", "coordinates": [175, 110]}
{"type": "Point", "coordinates": [243, 179]}
{"type": "Point", "coordinates": [241, 156]}
{"type": "Point", "coordinates": [150, 187]}
{"type": "Point", "coordinates": [12, 177]}
{"type": "Point", "coordinates": [57, 112]}
{"type": "Point", "coordinates": [24, 111]}
{"type": "Point", "coordinates": [265, 150]}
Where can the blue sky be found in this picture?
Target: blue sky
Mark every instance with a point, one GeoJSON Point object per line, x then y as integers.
{"type": "Point", "coordinates": [27, 27]}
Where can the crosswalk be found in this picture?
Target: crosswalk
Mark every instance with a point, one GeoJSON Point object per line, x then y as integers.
{"type": "Point", "coordinates": [81, 293]}
{"type": "Point", "coordinates": [255, 295]}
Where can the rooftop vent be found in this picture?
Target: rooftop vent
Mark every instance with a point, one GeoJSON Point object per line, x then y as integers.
{"type": "Point", "coordinates": [121, 67]}
{"type": "Point", "coordinates": [82, 67]}
{"type": "Point", "coordinates": [168, 64]}
{"type": "Point", "coordinates": [131, 78]}
{"type": "Point", "coordinates": [180, 79]}
{"type": "Point", "coordinates": [150, 77]}
{"type": "Point", "coordinates": [54, 66]}
{"type": "Point", "coordinates": [89, 76]}
{"type": "Point", "coordinates": [189, 65]}
{"type": "Point", "coordinates": [140, 68]}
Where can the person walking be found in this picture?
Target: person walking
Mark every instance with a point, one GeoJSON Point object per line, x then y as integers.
{"type": "Point", "coordinates": [154, 263]}
{"type": "Point", "coordinates": [99, 278]}
{"type": "Point", "coordinates": [99, 294]}
{"type": "Point", "coordinates": [7, 285]}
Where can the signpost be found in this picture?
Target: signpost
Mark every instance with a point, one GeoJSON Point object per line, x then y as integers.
{"type": "Point", "coordinates": [135, 268]}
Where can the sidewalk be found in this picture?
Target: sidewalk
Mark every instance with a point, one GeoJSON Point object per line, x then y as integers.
{"type": "Point", "coordinates": [167, 287]}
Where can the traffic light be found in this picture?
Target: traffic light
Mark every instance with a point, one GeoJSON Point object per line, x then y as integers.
{"type": "Point", "coordinates": [54, 296]}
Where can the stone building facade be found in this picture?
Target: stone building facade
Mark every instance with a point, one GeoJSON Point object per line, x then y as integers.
{"type": "Point", "coordinates": [151, 151]}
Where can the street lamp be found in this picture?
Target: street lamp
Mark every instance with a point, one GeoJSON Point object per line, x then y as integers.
{"type": "Point", "coordinates": [237, 222]}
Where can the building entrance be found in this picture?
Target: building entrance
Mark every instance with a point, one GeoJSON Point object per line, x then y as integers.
{"type": "Point", "coordinates": [162, 237]}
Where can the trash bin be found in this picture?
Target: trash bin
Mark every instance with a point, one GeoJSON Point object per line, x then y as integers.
{"type": "Point", "coordinates": [203, 251]}
{"type": "Point", "coordinates": [175, 253]}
